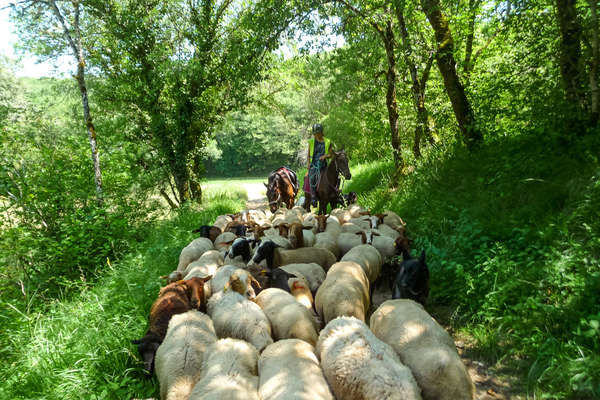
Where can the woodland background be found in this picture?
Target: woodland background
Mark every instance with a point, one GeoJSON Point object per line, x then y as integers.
{"type": "Point", "coordinates": [475, 120]}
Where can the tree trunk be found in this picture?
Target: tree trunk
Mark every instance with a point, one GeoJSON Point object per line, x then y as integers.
{"type": "Point", "coordinates": [418, 86]}
{"type": "Point", "coordinates": [595, 61]}
{"type": "Point", "coordinates": [77, 47]}
{"type": "Point", "coordinates": [390, 99]}
{"type": "Point", "coordinates": [447, 66]}
{"type": "Point", "coordinates": [570, 53]}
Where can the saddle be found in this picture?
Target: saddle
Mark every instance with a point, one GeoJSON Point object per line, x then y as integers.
{"type": "Point", "coordinates": [290, 174]}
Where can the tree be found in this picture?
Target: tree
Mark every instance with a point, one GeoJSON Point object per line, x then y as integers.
{"type": "Point", "coordinates": [179, 66]}
{"type": "Point", "coordinates": [447, 66]}
{"type": "Point", "coordinates": [381, 22]}
{"type": "Point", "coordinates": [49, 29]}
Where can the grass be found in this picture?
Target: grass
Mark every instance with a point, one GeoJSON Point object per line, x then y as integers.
{"type": "Point", "coordinates": [81, 348]}
{"type": "Point", "coordinates": [512, 235]}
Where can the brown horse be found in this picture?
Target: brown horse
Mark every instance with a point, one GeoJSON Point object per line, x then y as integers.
{"type": "Point", "coordinates": [282, 188]}
{"type": "Point", "coordinates": [328, 188]}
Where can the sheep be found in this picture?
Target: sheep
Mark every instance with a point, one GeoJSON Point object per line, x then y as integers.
{"type": "Point", "coordinates": [300, 289]}
{"type": "Point", "coordinates": [236, 227]}
{"type": "Point", "coordinates": [222, 221]}
{"type": "Point", "coordinates": [349, 227]}
{"type": "Point", "coordinates": [289, 369]}
{"type": "Point", "coordinates": [312, 272]}
{"type": "Point", "coordinates": [295, 234]}
{"type": "Point", "coordinates": [208, 231]}
{"type": "Point", "coordinates": [289, 319]}
{"type": "Point", "coordinates": [308, 237]}
{"type": "Point", "coordinates": [345, 291]}
{"type": "Point", "coordinates": [179, 357]}
{"type": "Point", "coordinates": [266, 230]}
{"type": "Point", "coordinates": [235, 316]}
{"type": "Point", "coordinates": [333, 226]}
{"type": "Point", "coordinates": [358, 365]}
{"type": "Point", "coordinates": [278, 278]}
{"type": "Point", "coordinates": [388, 231]}
{"type": "Point", "coordinates": [193, 251]}
{"type": "Point", "coordinates": [310, 220]}
{"type": "Point", "coordinates": [326, 240]}
{"type": "Point", "coordinates": [175, 298]}
{"type": "Point", "coordinates": [392, 219]}
{"type": "Point", "coordinates": [224, 241]}
{"type": "Point", "coordinates": [362, 222]}
{"type": "Point", "coordinates": [342, 215]}
{"type": "Point", "coordinates": [347, 241]}
{"type": "Point", "coordinates": [356, 211]}
{"type": "Point", "coordinates": [368, 258]}
{"type": "Point", "coordinates": [229, 371]}
{"type": "Point", "coordinates": [412, 281]}
{"type": "Point", "coordinates": [276, 256]}
{"type": "Point", "coordinates": [425, 347]}
{"type": "Point", "coordinates": [207, 263]}
{"type": "Point", "coordinates": [222, 279]}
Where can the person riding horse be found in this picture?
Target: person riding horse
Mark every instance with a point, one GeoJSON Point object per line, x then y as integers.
{"type": "Point", "coordinates": [319, 150]}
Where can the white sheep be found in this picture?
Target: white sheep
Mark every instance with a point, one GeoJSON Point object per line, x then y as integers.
{"type": "Point", "coordinates": [277, 256]}
{"type": "Point", "coordinates": [193, 251]}
{"type": "Point", "coordinates": [209, 261]}
{"type": "Point", "coordinates": [425, 347]}
{"type": "Point", "coordinates": [388, 231]}
{"type": "Point", "coordinates": [368, 258]}
{"type": "Point", "coordinates": [179, 358]}
{"type": "Point", "coordinates": [224, 241]}
{"type": "Point", "coordinates": [312, 272]}
{"type": "Point", "coordinates": [235, 316]}
{"type": "Point", "coordinates": [345, 291]}
{"type": "Point", "coordinates": [222, 221]}
{"type": "Point", "coordinates": [289, 319]}
{"type": "Point", "coordinates": [229, 371]}
{"type": "Point", "coordinates": [347, 241]}
{"type": "Point", "coordinates": [342, 215]}
{"type": "Point", "coordinates": [357, 211]}
{"type": "Point", "coordinates": [326, 240]}
{"type": "Point", "coordinates": [300, 289]}
{"type": "Point", "coordinates": [289, 369]}
{"type": "Point", "coordinates": [357, 365]}
{"type": "Point", "coordinates": [333, 226]}
{"type": "Point", "coordinates": [362, 222]}
{"type": "Point", "coordinates": [392, 219]}
{"type": "Point", "coordinates": [308, 237]}
{"type": "Point", "coordinates": [222, 277]}
{"type": "Point", "coordinates": [349, 227]}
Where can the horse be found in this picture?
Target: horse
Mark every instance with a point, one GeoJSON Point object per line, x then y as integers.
{"type": "Point", "coordinates": [282, 187]}
{"type": "Point", "coordinates": [329, 182]}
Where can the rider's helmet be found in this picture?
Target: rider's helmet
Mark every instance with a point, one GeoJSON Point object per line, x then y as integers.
{"type": "Point", "coordinates": [317, 128]}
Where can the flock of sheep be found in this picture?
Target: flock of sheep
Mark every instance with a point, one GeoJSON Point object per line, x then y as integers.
{"type": "Point", "coordinates": [274, 306]}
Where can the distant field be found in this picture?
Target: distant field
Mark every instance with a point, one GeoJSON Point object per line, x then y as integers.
{"type": "Point", "coordinates": [210, 183]}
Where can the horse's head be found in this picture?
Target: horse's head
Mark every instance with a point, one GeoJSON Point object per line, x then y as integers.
{"type": "Point", "coordinates": [341, 163]}
{"type": "Point", "coordinates": [273, 195]}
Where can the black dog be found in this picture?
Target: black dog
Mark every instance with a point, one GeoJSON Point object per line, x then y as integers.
{"type": "Point", "coordinates": [412, 280]}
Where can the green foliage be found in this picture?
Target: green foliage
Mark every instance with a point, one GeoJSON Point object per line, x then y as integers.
{"type": "Point", "coordinates": [81, 348]}
{"type": "Point", "coordinates": [512, 237]}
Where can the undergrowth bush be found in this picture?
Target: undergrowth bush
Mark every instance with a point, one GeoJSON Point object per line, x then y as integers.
{"type": "Point", "coordinates": [81, 347]}
{"type": "Point", "coordinates": [512, 235]}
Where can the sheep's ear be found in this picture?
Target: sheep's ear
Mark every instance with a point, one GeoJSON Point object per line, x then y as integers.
{"type": "Point", "coordinates": [306, 227]}
{"type": "Point", "coordinates": [422, 258]}
{"type": "Point", "coordinates": [378, 234]}
{"type": "Point", "coordinates": [359, 233]}
{"type": "Point", "coordinates": [206, 278]}
{"type": "Point", "coordinates": [265, 185]}
{"type": "Point", "coordinates": [136, 341]}
{"type": "Point", "coordinates": [254, 281]}
{"type": "Point", "coordinates": [163, 277]}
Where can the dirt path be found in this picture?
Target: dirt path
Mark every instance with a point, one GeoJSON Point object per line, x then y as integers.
{"type": "Point", "coordinates": [488, 386]}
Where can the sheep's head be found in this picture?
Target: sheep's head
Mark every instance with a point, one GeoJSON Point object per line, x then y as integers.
{"type": "Point", "coordinates": [147, 347]}
{"type": "Point", "coordinates": [195, 291]}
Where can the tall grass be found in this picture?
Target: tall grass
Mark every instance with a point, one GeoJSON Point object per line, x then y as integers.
{"type": "Point", "coordinates": [81, 348]}
{"type": "Point", "coordinates": [512, 235]}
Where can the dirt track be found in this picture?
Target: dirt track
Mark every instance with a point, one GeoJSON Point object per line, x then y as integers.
{"type": "Point", "coordinates": [488, 387]}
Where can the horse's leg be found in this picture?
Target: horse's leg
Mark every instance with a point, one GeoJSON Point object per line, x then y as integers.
{"type": "Point", "coordinates": [307, 200]}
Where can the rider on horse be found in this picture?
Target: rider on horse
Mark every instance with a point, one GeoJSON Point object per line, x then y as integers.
{"type": "Point", "coordinates": [319, 149]}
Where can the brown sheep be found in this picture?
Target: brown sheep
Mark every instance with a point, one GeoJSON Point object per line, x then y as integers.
{"type": "Point", "coordinates": [175, 298]}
